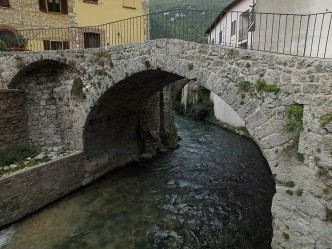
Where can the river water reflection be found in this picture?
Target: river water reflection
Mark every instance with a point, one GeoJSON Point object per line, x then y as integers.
{"type": "Point", "coordinates": [215, 191]}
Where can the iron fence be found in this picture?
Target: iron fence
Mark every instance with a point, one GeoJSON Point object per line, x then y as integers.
{"type": "Point", "coordinates": [292, 34]}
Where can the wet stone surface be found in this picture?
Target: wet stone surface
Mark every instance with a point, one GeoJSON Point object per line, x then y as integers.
{"type": "Point", "coordinates": [215, 191]}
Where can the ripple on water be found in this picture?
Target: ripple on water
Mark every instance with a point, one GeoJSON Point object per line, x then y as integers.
{"type": "Point", "coordinates": [215, 191]}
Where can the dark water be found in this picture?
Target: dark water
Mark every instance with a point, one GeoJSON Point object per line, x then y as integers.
{"type": "Point", "coordinates": [215, 191]}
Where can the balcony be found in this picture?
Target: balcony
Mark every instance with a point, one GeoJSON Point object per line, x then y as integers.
{"type": "Point", "coordinates": [243, 35]}
{"type": "Point", "coordinates": [252, 18]}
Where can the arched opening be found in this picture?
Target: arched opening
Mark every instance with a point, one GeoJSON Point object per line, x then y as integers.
{"type": "Point", "coordinates": [130, 119]}
{"type": "Point", "coordinates": [48, 107]}
{"type": "Point", "coordinates": [11, 39]}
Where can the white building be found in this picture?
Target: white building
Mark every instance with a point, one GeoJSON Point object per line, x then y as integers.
{"type": "Point", "coordinates": [296, 27]}
{"type": "Point", "coordinates": [230, 28]}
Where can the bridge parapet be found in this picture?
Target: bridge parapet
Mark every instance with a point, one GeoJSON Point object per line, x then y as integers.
{"type": "Point", "coordinates": [116, 82]}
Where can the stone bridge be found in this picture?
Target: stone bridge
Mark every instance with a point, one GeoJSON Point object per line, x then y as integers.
{"type": "Point", "coordinates": [115, 105]}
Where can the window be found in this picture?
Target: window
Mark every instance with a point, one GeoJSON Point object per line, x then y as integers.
{"type": "Point", "coordinates": [55, 45]}
{"type": "Point", "coordinates": [129, 4]}
{"type": "Point", "coordinates": [9, 37]}
{"type": "Point", "coordinates": [91, 40]}
{"type": "Point", "coordinates": [220, 37]}
{"type": "Point", "coordinates": [4, 3]}
{"type": "Point", "coordinates": [233, 28]}
{"type": "Point", "coordinates": [60, 6]}
{"type": "Point", "coordinates": [90, 1]}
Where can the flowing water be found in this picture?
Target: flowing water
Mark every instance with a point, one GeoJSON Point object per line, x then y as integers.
{"type": "Point", "coordinates": [215, 191]}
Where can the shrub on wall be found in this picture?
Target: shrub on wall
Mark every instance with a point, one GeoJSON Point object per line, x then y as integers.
{"type": "Point", "coordinates": [77, 88]}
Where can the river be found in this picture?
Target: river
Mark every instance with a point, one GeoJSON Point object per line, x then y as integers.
{"type": "Point", "coordinates": [215, 191]}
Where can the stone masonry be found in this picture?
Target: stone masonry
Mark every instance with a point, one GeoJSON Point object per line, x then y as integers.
{"type": "Point", "coordinates": [13, 119]}
{"type": "Point", "coordinates": [119, 81]}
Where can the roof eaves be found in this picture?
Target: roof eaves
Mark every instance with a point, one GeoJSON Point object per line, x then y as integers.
{"type": "Point", "coordinates": [221, 14]}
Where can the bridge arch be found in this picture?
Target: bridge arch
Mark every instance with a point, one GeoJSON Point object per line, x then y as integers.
{"type": "Point", "coordinates": [301, 81]}
{"type": "Point", "coordinates": [43, 82]}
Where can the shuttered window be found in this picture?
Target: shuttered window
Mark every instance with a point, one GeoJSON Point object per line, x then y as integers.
{"type": "Point", "coordinates": [4, 3]}
{"type": "Point", "coordinates": [55, 45]}
{"type": "Point", "coordinates": [90, 1]}
{"type": "Point", "coordinates": [129, 4]}
{"type": "Point", "coordinates": [60, 6]}
{"type": "Point", "coordinates": [91, 40]}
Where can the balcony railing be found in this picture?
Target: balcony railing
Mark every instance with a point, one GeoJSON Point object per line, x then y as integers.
{"type": "Point", "coordinates": [292, 34]}
{"type": "Point", "coordinates": [252, 17]}
{"type": "Point", "coordinates": [243, 34]}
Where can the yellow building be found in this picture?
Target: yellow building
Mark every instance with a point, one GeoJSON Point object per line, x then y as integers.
{"type": "Point", "coordinates": [120, 21]}
{"type": "Point", "coordinates": [62, 24]}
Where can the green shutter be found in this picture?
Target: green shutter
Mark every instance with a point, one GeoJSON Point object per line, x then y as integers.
{"type": "Point", "coordinates": [47, 45]}
{"type": "Point", "coordinates": [42, 5]}
{"type": "Point", "coordinates": [65, 45]}
{"type": "Point", "coordinates": [64, 6]}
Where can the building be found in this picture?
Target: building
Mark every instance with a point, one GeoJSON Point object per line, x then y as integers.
{"type": "Point", "coordinates": [230, 28]}
{"type": "Point", "coordinates": [297, 27]}
{"type": "Point", "coordinates": [62, 24]}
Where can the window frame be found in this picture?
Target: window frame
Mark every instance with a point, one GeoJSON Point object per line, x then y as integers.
{"type": "Point", "coordinates": [44, 6]}
{"type": "Point", "coordinates": [220, 36]}
{"type": "Point", "coordinates": [93, 34]}
{"type": "Point", "coordinates": [4, 3]}
{"type": "Point", "coordinates": [233, 28]}
{"type": "Point", "coordinates": [91, 1]}
{"type": "Point", "coordinates": [50, 44]}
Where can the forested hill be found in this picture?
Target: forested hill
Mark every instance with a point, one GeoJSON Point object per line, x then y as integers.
{"type": "Point", "coordinates": [183, 19]}
{"type": "Point", "coordinates": [163, 5]}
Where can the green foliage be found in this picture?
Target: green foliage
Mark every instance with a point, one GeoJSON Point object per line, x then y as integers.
{"type": "Point", "coordinates": [244, 85]}
{"type": "Point", "coordinates": [77, 88]}
{"type": "Point", "coordinates": [3, 45]}
{"type": "Point", "coordinates": [322, 171]}
{"type": "Point", "coordinates": [179, 107]}
{"type": "Point", "coordinates": [326, 120]}
{"type": "Point", "coordinates": [183, 19]}
{"type": "Point", "coordinates": [290, 184]}
{"type": "Point", "coordinates": [190, 66]}
{"type": "Point", "coordinates": [326, 191]}
{"type": "Point", "coordinates": [100, 56]}
{"type": "Point", "coordinates": [329, 214]}
{"type": "Point", "coordinates": [262, 85]}
{"type": "Point", "coordinates": [147, 63]}
{"type": "Point", "coordinates": [285, 235]}
{"type": "Point", "coordinates": [290, 192]}
{"type": "Point", "coordinates": [110, 63]}
{"type": "Point", "coordinates": [248, 65]}
{"type": "Point", "coordinates": [17, 154]}
{"type": "Point", "coordinates": [100, 72]}
{"type": "Point", "coordinates": [300, 157]}
{"type": "Point", "coordinates": [295, 115]}
{"type": "Point", "coordinates": [201, 110]}
{"type": "Point", "coordinates": [299, 192]}
{"type": "Point", "coordinates": [318, 150]}
{"type": "Point", "coordinates": [13, 41]}
{"type": "Point", "coordinates": [316, 159]}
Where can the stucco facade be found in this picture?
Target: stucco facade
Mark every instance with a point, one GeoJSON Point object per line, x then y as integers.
{"type": "Point", "coordinates": [306, 33]}
{"type": "Point", "coordinates": [21, 17]}
{"type": "Point", "coordinates": [230, 28]}
{"type": "Point", "coordinates": [44, 26]}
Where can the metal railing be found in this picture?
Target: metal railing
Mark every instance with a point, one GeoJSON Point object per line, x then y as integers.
{"type": "Point", "coordinates": [292, 34]}
{"type": "Point", "coordinates": [243, 34]}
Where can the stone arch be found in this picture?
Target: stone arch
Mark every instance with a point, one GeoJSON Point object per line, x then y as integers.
{"type": "Point", "coordinates": [47, 101]}
{"type": "Point", "coordinates": [127, 120]}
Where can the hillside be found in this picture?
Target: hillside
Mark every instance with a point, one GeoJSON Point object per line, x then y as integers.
{"type": "Point", "coordinates": [157, 5]}
{"type": "Point", "coordinates": [183, 19]}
